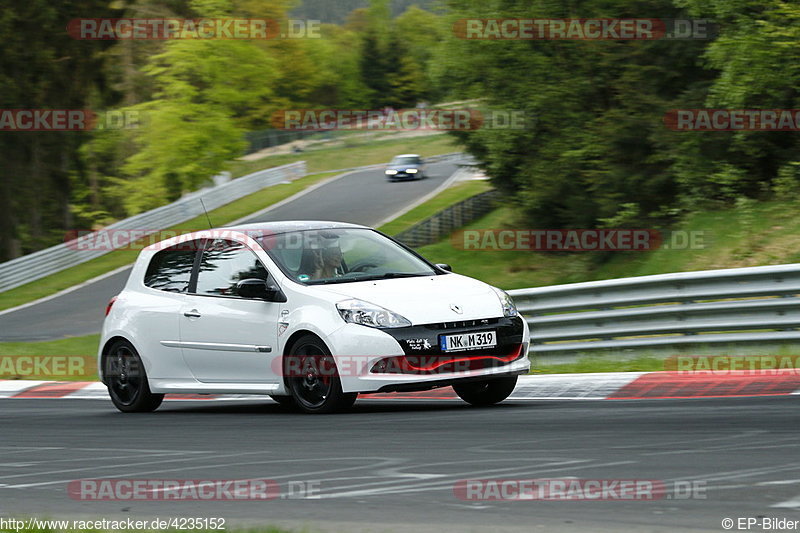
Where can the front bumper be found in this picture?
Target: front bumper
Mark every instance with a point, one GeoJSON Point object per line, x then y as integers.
{"type": "Point", "coordinates": [359, 349]}
{"type": "Point", "coordinates": [439, 383]}
{"type": "Point", "coordinates": [403, 176]}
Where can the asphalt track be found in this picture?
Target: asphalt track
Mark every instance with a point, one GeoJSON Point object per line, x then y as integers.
{"type": "Point", "coordinates": [390, 465]}
{"type": "Point", "coordinates": [363, 197]}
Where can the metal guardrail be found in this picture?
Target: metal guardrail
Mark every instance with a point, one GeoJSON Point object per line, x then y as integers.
{"type": "Point", "coordinates": [731, 306]}
{"type": "Point", "coordinates": [443, 223]}
{"type": "Point", "coordinates": [31, 267]}
{"type": "Point", "coordinates": [459, 157]}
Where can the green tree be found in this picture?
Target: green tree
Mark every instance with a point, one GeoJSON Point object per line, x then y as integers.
{"type": "Point", "coordinates": [374, 69]}
{"type": "Point", "coordinates": [405, 79]}
{"type": "Point", "coordinates": [757, 58]}
{"type": "Point", "coordinates": [423, 33]}
{"type": "Point", "coordinates": [197, 118]}
{"type": "Point", "coordinates": [42, 67]}
{"type": "Point", "coordinates": [93, 198]}
{"type": "Point", "coordinates": [595, 144]}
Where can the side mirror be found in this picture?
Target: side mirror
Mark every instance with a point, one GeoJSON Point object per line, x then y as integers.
{"type": "Point", "coordinates": [259, 289]}
{"type": "Point", "coordinates": [445, 266]}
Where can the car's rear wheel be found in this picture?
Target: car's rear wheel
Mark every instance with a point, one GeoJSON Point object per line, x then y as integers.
{"type": "Point", "coordinates": [126, 380]}
{"type": "Point", "coordinates": [487, 392]}
{"type": "Point", "coordinates": [313, 378]}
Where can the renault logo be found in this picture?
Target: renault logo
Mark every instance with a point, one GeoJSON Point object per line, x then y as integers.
{"type": "Point", "coordinates": [456, 308]}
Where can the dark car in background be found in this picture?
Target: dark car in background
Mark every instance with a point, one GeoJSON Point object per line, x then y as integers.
{"type": "Point", "coordinates": [405, 167]}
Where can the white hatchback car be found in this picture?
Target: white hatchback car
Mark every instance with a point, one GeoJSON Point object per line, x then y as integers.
{"type": "Point", "coordinates": [309, 313]}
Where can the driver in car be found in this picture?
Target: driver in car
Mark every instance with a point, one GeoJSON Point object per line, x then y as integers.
{"type": "Point", "coordinates": [323, 262]}
{"type": "Point", "coordinates": [328, 263]}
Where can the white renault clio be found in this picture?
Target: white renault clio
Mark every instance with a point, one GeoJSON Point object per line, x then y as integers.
{"type": "Point", "coordinates": [309, 313]}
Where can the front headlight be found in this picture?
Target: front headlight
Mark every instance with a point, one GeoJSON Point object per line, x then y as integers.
{"type": "Point", "coordinates": [411, 170]}
{"type": "Point", "coordinates": [367, 314]}
{"type": "Point", "coordinates": [509, 309]}
{"type": "Point", "coordinates": [391, 172]}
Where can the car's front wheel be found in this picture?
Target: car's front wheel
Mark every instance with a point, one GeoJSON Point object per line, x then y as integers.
{"type": "Point", "coordinates": [126, 380]}
{"type": "Point", "coordinates": [313, 378]}
{"type": "Point", "coordinates": [487, 392]}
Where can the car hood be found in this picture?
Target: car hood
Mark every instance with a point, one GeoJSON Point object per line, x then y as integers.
{"type": "Point", "coordinates": [426, 300]}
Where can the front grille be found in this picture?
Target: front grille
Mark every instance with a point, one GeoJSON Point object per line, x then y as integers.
{"type": "Point", "coordinates": [425, 339]}
{"type": "Point", "coordinates": [463, 324]}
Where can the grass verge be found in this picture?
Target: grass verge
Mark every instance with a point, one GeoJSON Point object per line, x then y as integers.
{"type": "Point", "coordinates": [86, 345]}
{"type": "Point", "coordinates": [71, 359]}
{"type": "Point", "coordinates": [591, 364]}
{"type": "Point", "coordinates": [502, 268]}
{"type": "Point", "coordinates": [450, 196]}
{"type": "Point", "coordinates": [762, 233]}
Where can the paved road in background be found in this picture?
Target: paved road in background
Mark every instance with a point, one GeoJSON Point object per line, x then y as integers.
{"type": "Point", "coordinates": [390, 465]}
{"type": "Point", "coordinates": [361, 198]}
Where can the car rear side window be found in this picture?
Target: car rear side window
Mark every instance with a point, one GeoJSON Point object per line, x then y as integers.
{"type": "Point", "coordinates": [224, 264]}
{"type": "Point", "coordinates": [171, 269]}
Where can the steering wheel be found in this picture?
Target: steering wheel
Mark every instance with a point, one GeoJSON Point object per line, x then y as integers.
{"type": "Point", "coordinates": [363, 266]}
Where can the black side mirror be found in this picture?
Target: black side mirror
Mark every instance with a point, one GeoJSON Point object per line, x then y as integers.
{"type": "Point", "coordinates": [445, 266]}
{"type": "Point", "coordinates": [259, 289]}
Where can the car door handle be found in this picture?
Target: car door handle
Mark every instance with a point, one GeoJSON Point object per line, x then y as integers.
{"type": "Point", "coordinates": [194, 313]}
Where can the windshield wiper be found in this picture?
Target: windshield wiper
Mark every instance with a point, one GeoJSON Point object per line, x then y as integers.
{"type": "Point", "coordinates": [387, 275]}
{"type": "Point", "coordinates": [392, 275]}
{"type": "Point", "coordinates": [402, 275]}
{"type": "Point", "coordinates": [331, 280]}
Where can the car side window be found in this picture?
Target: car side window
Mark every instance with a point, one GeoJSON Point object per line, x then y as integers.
{"type": "Point", "coordinates": [224, 264]}
{"type": "Point", "coordinates": [171, 269]}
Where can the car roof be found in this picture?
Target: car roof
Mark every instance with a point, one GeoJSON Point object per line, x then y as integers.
{"type": "Point", "coordinates": [406, 155]}
{"type": "Point", "coordinates": [286, 226]}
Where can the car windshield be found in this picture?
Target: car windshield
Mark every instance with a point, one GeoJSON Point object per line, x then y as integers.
{"type": "Point", "coordinates": [341, 255]}
{"type": "Point", "coordinates": [405, 161]}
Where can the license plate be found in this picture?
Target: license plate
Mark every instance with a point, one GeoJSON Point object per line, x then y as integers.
{"type": "Point", "coordinates": [468, 341]}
